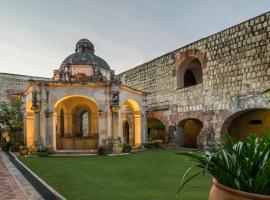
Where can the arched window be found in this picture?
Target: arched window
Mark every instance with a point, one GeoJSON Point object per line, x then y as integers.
{"type": "Point", "coordinates": [62, 123]}
{"type": "Point", "coordinates": [81, 122]}
{"type": "Point", "coordinates": [189, 78]}
{"type": "Point", "coordinates": [189, 73]}
{"type": "Point", "coordinates": [84, 124]}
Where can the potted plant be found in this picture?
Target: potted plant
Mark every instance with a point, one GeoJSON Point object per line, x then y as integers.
{"type": "Point", "coordinates": [158, 143]}
{"type": "Point", "coordinates": [24, 151]}
{"type": "Point", "coordinates": [127, 148]}
{"type": "Point", "coordinates": [149, 145]}
{"type": "Point", "coordinates": [240, 170]}
{"type": "Point", "coordinates": [42, 150]}
{"type": "Point", "coordinates": [5, 146]}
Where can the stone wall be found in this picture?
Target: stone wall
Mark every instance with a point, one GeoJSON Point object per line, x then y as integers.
{"type": "Point", "coordinates": [14, 83]}
{"type": "Point", "coordinates": [235, 70]}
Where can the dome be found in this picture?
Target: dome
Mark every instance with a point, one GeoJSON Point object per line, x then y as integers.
{"type": "Point", "coordinates": [84, 55]}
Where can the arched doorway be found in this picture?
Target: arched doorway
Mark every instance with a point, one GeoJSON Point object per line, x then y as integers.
{"type": "Point", "coordinates": [244, 123]}
{"type": "Point", "coordinates": [156, 130]}
{"type": "Point", "coordinates": [62, 122]}
{"type": "Point", "coordinates": [189, 72]}
{"type": "Point", "coordinates": [131, 119]}
{"type": "Point", "coordinates": [77, 123]}
{"type": "Point", "coordinates": [126, 132]}
{"type": "Point", "coordinates": [81, 117]}
{"type": "Point", "coordinates": [188, 131]}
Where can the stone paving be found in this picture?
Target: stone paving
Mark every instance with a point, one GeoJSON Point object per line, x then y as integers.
{"type": "Point", "coordinates": [13, 185]}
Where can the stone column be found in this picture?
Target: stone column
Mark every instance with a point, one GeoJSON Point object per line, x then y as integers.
{"type": "Point", "coordinates": [115, 122]}
{"type": "Point", "coordinates": [117, 148]}
{"type": "Point", "coordinates": [49, 129]}
{"type": "Point", "coordinates": [37, 127]}
{"type": "Point", "coordinates": [144, 127]}
{"type": "Point", "coordinates": [206, 138]}
{"type": "Point", "coordinates": [103, 128]}
{"type": "Point", "coordinates": [138, 129]}
{"type": "Point", "coordinates": [120, 127]}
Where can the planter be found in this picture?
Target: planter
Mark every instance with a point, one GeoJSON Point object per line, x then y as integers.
{"type": "Point", "coordinates": [24, 152]}
{"type": "Point", "coordinates": [42, 153]}
{"type": "Point", "coordinates": [5, 146]}
{"type": "Point", "coordinates": [220, 192]}
{"type": "Point", "coordinates": [158, 143]}
{"type": "Point", "coordinates": [149, 145]}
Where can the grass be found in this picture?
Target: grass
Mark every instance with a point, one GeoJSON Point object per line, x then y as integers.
{"type": "Point", "coordinates": [148, 175]}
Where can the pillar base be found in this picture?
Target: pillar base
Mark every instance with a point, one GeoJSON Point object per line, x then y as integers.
{"type": "Point", "coordinates": [117, 147]}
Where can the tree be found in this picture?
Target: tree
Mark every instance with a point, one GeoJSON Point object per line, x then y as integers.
{"type": "Point", "coordinates": [11, 120]}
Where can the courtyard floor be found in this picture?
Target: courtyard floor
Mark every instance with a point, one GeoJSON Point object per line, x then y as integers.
{"type": "Point", "coordinates": [148, 175]}
{"type": "Point", "coordinates": [13, 185]}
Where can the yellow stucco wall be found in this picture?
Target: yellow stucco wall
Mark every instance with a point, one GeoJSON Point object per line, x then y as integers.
{"type": "Point", "coordinates": [192, 129]}
{"type": "Point", "coordinates": [240, 127]}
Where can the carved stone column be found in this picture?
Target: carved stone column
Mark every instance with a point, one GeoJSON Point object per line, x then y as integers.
{"type": "Point", "coordinates": [37, 126]}
{"type": "Point", "coordinates": [103, 128]}
{"type": "Point", "coordinates": [115, 121]}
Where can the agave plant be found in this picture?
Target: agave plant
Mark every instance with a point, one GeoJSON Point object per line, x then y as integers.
{"type": "Point", "coordinates": [266, 91]}
{"type": "Point", "coordinates": [236, 164]}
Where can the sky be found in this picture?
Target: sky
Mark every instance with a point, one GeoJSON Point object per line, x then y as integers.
{"type": "Point", "coordinates": [37, 35]}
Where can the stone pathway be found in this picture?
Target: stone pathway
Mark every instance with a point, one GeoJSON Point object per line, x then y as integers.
{"type": "Point", "coordinates": [9, 188]}
{"type": "Point", "coordinates": [13, 185]}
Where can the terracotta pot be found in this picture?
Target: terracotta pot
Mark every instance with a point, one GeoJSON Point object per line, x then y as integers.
{"type": "Point", "coordinates": [220, 192]}
{"type": "Point", "coordinates": [5, 146]}
{"type": "Point", "coordinates": [24, 152]}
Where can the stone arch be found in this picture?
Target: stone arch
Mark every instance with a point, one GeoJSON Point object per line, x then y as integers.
{"type": "Point", "coordinates": [188, 131]}
{"type": "Point", "coordinates": [245, 122]}
{"type": "Point", "coordinates": [156, 129]}
{"type": "Point", "coordinates": [189, 72]}
{"type": "Point", "coordinates": [131, 113]}
{"type": "Point", "coordinates": [81, 120]}
{"type": "Point", "coordinates": [73, 96]}
{"type": "Point", "coordinates": [74, 138]}
{"type": "Point", "coordinates": [133, 104]}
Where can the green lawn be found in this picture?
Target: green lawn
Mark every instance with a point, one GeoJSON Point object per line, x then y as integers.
{"type": "Point", "coordinates": [148, 175]}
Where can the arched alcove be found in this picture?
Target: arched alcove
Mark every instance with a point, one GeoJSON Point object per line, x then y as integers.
{"type": "Point", "coordinates": [131, 115]}
{"type": "Point", "coordinates": [246, 122]}
{"type": "Point", "coordinates": [189, 72]}
{"type": "Point", "coordinates": [156, 130]}
{"type": "Point", "coordinates": [188, 131]}
{"type": "Point", "coordinates": [77, 123]}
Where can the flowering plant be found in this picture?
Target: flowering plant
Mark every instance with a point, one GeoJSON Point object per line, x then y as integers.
{"type": "Point", "coordinates": [23, 148]}
{"type": "Point", "coordinates": [5, 137]}
{"type": "Point", "coordinates": [42, 148]}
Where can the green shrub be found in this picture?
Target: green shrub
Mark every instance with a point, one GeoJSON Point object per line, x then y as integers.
{"type": "Point", "coordinates": [102, 150]}
{"type": "Point", "coordinates": [127, 148]}
{"type": "Point", "coordinates": [236, 164]}
{"type": "Point", "coordinates": [15, 147]}
{"type": "Point", "coordinates": [41, 148]}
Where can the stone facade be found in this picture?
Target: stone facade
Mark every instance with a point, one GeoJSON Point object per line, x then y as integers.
{"type": "Point", "coordinates": [207, 85]}
{"type": "Point", "coordinates": [235, 70]}
{"type": "Point", "coordinates": [14, 84]}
